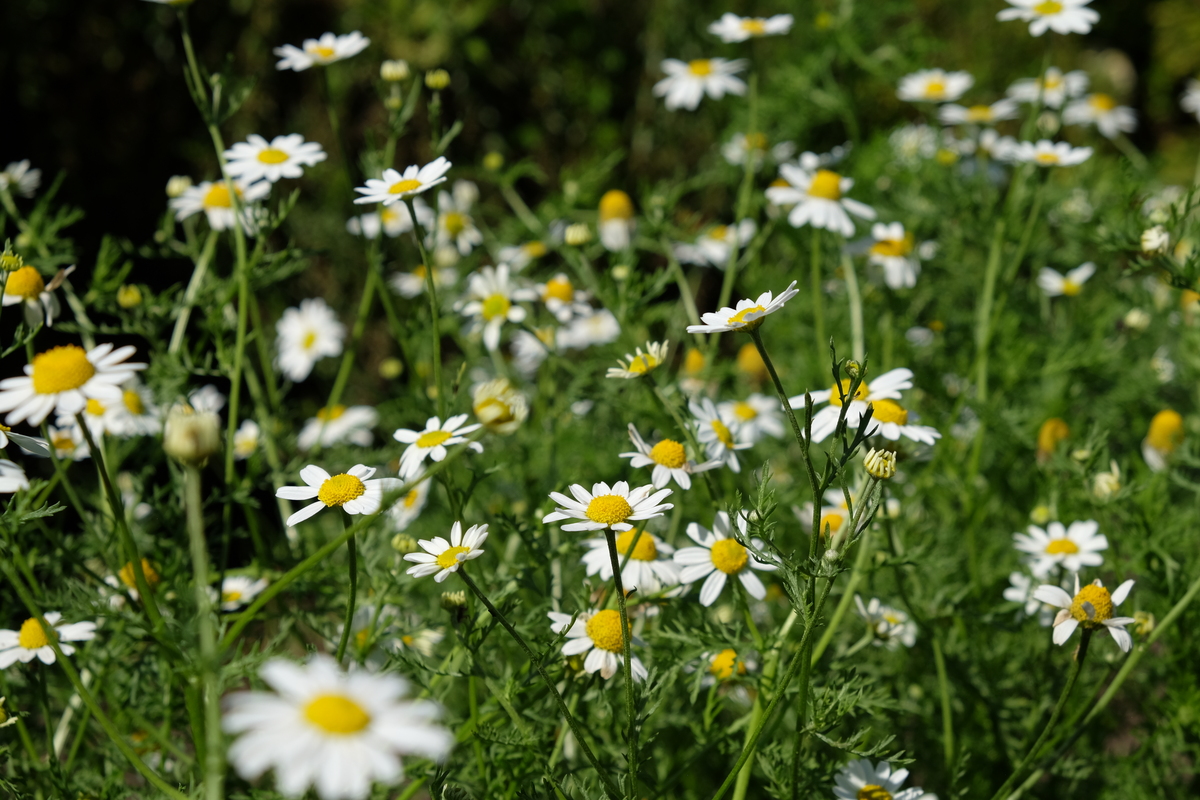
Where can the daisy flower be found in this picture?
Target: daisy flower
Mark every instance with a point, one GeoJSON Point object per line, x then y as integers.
{"type": "Point", "coordinates": [67, 440]}
{"type": "Point", "coordinates": [441, 557]}
{"type": "Point", "coordinates": [607, 507]}
{"type": "Point", "coordinates": [748, 315]}
{"type": "Point", "coordinates": [283, 157]}
{"type": "Point", "coordinates": [212, 197]}
{"type": "Point", "coordinates": [756, 416]}
{"type": "Point", "coordinates": [641, 363]}
{"type": "Point", "coordinates": [597, 633]}
{"type": "Point", "coordinates": [31, 641]}
{"type": "Point", "coordinates": [396, 186]}
{"type": "Point", "coordinates": [891, 626]}
{"type": "Point", "coordinates": [455, 227]}
{"type": "Point", "coordinates": [521, 256]}
{"type": "Point", "coordinates": [63, 379]}
{"type": "Point", "coordinates": [339, 424]}
{"type": "Point", "coordinates": [322, 727]}
{"type": "Point", "coordinates": [1189, 102]}
{"type": "Point", "coordinates": [499, 406]}
{"type": "Point", "coordinates": [687, 82]}
{"type": "Point", "coordinates": [934, 85]}
{"type": "Point", "coordinates": [597, 328]}
{"type": "Point", "coordinates": [1055, 284]}
{"type": "Point", "coordinates": [490, 302]}
{"type": "Point", "coordinates": [886, 387]}
{"type": "Point", "coordinates": [1106, 484]}
{"type": "Point", "coordinates": [12, 477]}
{"type": "Point", "coordinates": [240, 590]}
{"type": "Point", "coordinates": [1060, 16]}
{"type": "Point", "coordinates": [1092, 607]}
{"type": "Point", "coordinates": [409, 508]}
{"type": "Point", "coordinates": [135, 414]}
{"type": "Point", "coordinates": [27, 286]}
{"type": "Point", "coordinates": [1050, 154]}
{"type": "Point", "coordinates": [1102, 111]}
{"type": "Point", "coordinates": [754, 146]}
{"type": "Point", "coordinates": [1055, 87]}
{"type": "Point", "coordinates": [529, 350]}
{"type": "Point", "coordinates": [392, 220]}
{"type": "Point", "coordinates": [304, 335]}
{"type": "Point", "coordinates": [643, 567]}
{"type": "Point", "coordinates": [890, 420]}
{"type": "Point", "coordinates": [320, 52]}
{"type": "Point", "coordinates": [1071, 548]}
{"type": "Point", "coordinates": [1020, 591]}
{"type": "Point", "coordinates": [862, 780]}
{"type": "Point", "coordinates": [894, 250]}
{"type": "Point", "coordinates": [714, 247]}
{"type": "Point", "coordinates": [245, 440]}
{"type": "Point", "coordinates": [732, 28]}
{"type": "Point", "coordinates": [723, 666]}
{"type": "Point", "coordinates": [1165, 434]}
{"type": "Point", "coordinates": [715, 435]}
{"type": "Point", "coordinates": [351, 490]}
{"type": "Point", "coordinates": [616, 220]}
{"type": "Point", "coordinates": [413, 283]}
{"type": "Point", "coordinates": [19, 179]}
{"type": "Point", "coordinates": [432, 442]}
{"type": "Point", "coordinates": [817, 199]}
{"type": "Point", "coordinates": [951, 114]}
{"type": "Point", "coordinates": [718, 557]}
{"type": "Point", "coordinates": [562, 299]}
{"type": "Point", "coordinates": [668, 458]}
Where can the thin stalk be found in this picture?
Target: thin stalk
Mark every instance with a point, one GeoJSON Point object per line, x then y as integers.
{"type": "Point", "coordinates": [431, 290]}
{"type": "Point", "coordinates": [947, 718]}
{"type": "Point", "coordinates": [983, 316]}
{"type": "Point", "coordinates": [858, 347]}
{"type": "Point", "coordinates": [352, 557]}
{"type": "Point", "coordinates": [356, 334]}
{"type": "Point", "coordinates": [214, 761]}
{"type": "Point", "coordinates": [685, 289]}
{"type": "Point", "coordinates": [843, 605]}
{"type": "Point", "coordinates": [193, 289]}
{"type": "Point", "coordinates": [814, 277]}
{"type": "Point", "coordinates": [745, 192]}
{"type": "Point", "coordinates": [801, 720]}
{"type": "Point", "coordinates": [756, 335]}
{"type": "Point", "coordinates": [626, 651]}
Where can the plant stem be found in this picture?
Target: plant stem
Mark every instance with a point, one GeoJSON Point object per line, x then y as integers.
{"type": "Point", "coordinates": [626, 651]}
{"type": "Point", "coordinates": [939, 661]}
{"type": "Point", "coordinates": [356, 334]}
{"type": "Point", "coordinates": [431, 290]}
{"type": "Point", "coordinates": [857, 347]}
{"type": "Point", "coordinates": [814, 277]}
{"type": "Point", "coordinates": [193, 289]}
{"type": "Point", "coordinates": [843, 605]}
{"type": "Point", "coordinates": [756, 335]}
{"type": "Point", "coordinates": [352, 557]}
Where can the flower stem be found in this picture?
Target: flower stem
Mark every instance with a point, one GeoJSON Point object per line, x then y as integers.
{"type": "Point", "coordinates": [193, 289]}
{"type": "Point", "coordinates": [352, 559]}
{"type": "Point", "coordinates": [626, 651]}
{"type": "Point", "coordinates": [857, 345]}
{"type": "Point", "coordinates": [783, 398]}
{"type": "Point", "coordinates": [814, 277]}
{"type": "Point", "coordinates": [431, 290]}
{"type": "Point", "coordinates": [356, 334]}
{"type": "Point", "coordinates": [843, 605]}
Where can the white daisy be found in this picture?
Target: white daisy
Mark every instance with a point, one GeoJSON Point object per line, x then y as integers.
{"type": "Point", "coordinates": [862, 780]}
{"type": "Point", "coordinates": [687, 82]}
{"type": "Point", "coordinates": [891, 626]}
{"type": "Point", "coordinates": [499, 406]}
{"type": "Point", "coordinates": [521, 256]}
{"type": "Point", "coordinates": [719, 440]}
{"type": "Point", "coordinates": [718, 557]}
{"type": "Point", "coordinates": [351, 490]}
{"type": "Point", "coordinates": [748, 315]}
{"type": "Point", "coordinates": [886, 387]}
{"type": "Point", "coordinates": [19, 179]}
{"type": "Point", "coordinates": [137, 414]}
{"type": "Point", "coordinates": [31, 641]}
{"type": "Point", "coordinates": [68, 441]}
{"type": "Point", "coordinates": [1055, 284]}
{"type": "Point", "coordinates": [895, 250]}
{"type": "Point", "coordinates": [644, 568]}
{"type": "Point", "coordinates": [952, 114]}
{"type": "Point", "coordinates": [392, 220]}
{"type": "Point", "coordinates": [1092, 607]}
{"type": "Point", "coordinates": [442, 557]}
{"type": "Point", "coordinates": [1055, 87]}
{"type": "Point", "coordinates": [714, 246]}
{"type": "Point", "coordinates": [1060, 16]}
{"type": "Point", "coordinates": [1189, 102]}
{"type": "Point", "coordinates": [27, 286]}
{"type": "Point", "coordinates": [641, 363]}
{"type": "Point", "coordinates": [1102, 111]}
{"type": "Point", "coordinates": [207, 399]}
{"type": "Point", "coordinates": [212, 197]}
{"type": "Point", "coordinates": [455, 227]}
{"type": "Point", "coordinates": [732, 28]}
{"type": "Point", "coordinates": [432, 442]}
{"type": "Point", "coordinates": [305, 334]}
{"type": "Point", "coordinates": [754, 146]}
{"type": "Point", "coordinates": [491, 301]}
{"type": "Point", "coordinates": [1020, 591]}
{"type": "Point", "coordinates": [934, 85]}
{"type": "Point", "coordinates": [320, 52]}
{"type": "Point", "coordinates": [1163, 437]}
{"type": "Point", "coordinates": [616, 220]}
{"type": "Point", "coordinates": [599, 327]}
{"type": "Point", "coordinates": [396, 186]}
{"type": "Point", "coordinates": [817, 199]}
{"type": "Point", "coordinates": [757, 416]}
{"type": "Point", "coordinates": [245, 440]}
{"type": "Point", "coordinates": [890, 420]}
{"type": "Point", "coordinates": [1050, 154]}
{"type": "Point", "coordinates": [413, 283]}
{"type": "Point", "coordinates": [409, 507]}
{"type": "Point", "coordinates": [562, 299]}
{"type": "Point", "coordinates": [1071, 548]}
{"type": "Point", "coordinates": [668, 458]}
{"type": "Point", "coordinates": [240, 590]}
{"type": "Point", "coordinates": [913, 143]}
{"type": "Point", "coordinates": [607, 507]}
{"type": "Point", "coordinates": [12, 477]}
{"type": "Point", "coordinates": [529, 350]}
{"type": "Point", "coordinates": [63, 379]}
{"type": "Point", "coordinates": [283, 157]}
{"type": "Point", "coordinates": [597, 633]}
{"type": "Point", "coordinates": [339, 424]}
{"type": "Point", "coordinates": [724, 665]}
{"type": "Point", "coordinates": [322, 727]}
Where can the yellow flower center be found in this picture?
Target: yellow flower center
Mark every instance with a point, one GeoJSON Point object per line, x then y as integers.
{"type": "Point", "coordinates": [1092, 605]}
{"type": "Point", "coordinates": [94, 407]}
{"type": "Point", "coordinates": [1061, 547]}
{"type": "Point", "coordinates": [496, 306]}
{"type": "Point", "coordinates": [449, 558]}
{"type": "Point", "coordinates": [534, 249]}
{"type": "Point", "coordinates": [361, 639]}
{"type": "Point", "coordinates": [272, 156]}
{"type": "Point", "coordinates": [340, 489]}
{"type": "Point", "coordinates": [668, 453]}
{"type": "Point", "coordinates": [893, 248]}
{"type": "Point", "coordinates": [1070, 288]}
{"type": "Point", "coordinates": [337, 714]}
{"type": "Point", "coordinates": [645, 550]}
{"type": "Point", "coordinates": [1053, 81]}
{"type": "Point", "coordinates": [26, 282]}
{"type": "Point", "coordinates": [310, 339]}
{"type": "Point", "coordinates": [835, 396]}
{"type": "Point", "coordinates": [729, 556]}
{"type": "Point", "coordinates": [744, 411]}
{"type": "Point", "coordinates": [133, 402]}
{"type": "Point", "coordinates": [1053, 431]}
{"type": "Point", "coordinates": [604, 629]}
{"type": "Point", "coordinates": [640, 365]}
{"type": "Point", "coordinates": [832, 520]}
{"type": "Point", "coordinates": [719, 233]}
{"type": "Point", "coordinates": [454, 223]}
{"type": "Point", "coordinates": [724, 663]}
{"type": "Point", "coordinates": [1166, 431]}
{"type": "Point", "coordinates": [400, 187]}
{"type": "Point", "coordinates": [217, 197]}
{"type": "Point", "coordinates": [700, 67]}
{"type": "Point", "coordinates": [615, 204]}
{"type": "Point", "coordinates": [756, 141]}
{"type": "Point", "coordinates": [1102, 102]}
{"type": "Point", "coordinates": [723, 434]}
{"type": "Point", "coordinates": [62, 442]}
{"type": "Point", "coordinates": [419, 271]}
{"type": "Point", "coordinates": [410, 499]}
{"type": "Point", "coordinates": [321, 52]}
{"type": "Point", "coordinates": [433, 438]}
{"type": "Point", "coordinates": [1046, 158]}
{"type": "Point", "coordinates": [741, 317]}
{"type": "Point", "coordinates": [874, 792]}
{"type": "Point", "coordinates": [32, 635]}
{"type": "Point", "coordinates": [330, 414]}
{"type": "Point", "coordinates": [231, 596]}
{"type": "Point", "coordinates": [61, 369]}
{"type": "Point", "coordinates": [754, 27]}
{"type": "Point", "coordinates": [559, 288]}
{"type": "Point", "coordinates": [826, 184]}
{"type": "Point", "coordinates": [128, 577]}
{"type": "Point", "coordinates": [935, 89]}
{"type": "Point", "coordinates": [889, 411]}
{"type": "Point", "coordinates": [1048, 7]}
{"type": "Point", "coordinates": [608, 509]}
{"type": "Point", "coordinates": [979, 114]}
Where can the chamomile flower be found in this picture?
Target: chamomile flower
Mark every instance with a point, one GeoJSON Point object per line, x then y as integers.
{"type": "Point", "coordinates": [732, 28]}
{"type": "Point", "coordinates": [432, 442]}
{"type": "Point", "coordinates": [616, 220]}
{"type": "Point", "coordinates": [395, 186]}
{"type": "Point", "coordinates": [607, 507]}
{"type": "Point", "coordinates": [240, 590]}
{"type": "Point", "coordinates": [491, 301]}
{"type": "Point", "coordinates": [640, 363]}
{"type": "Point", "coordinates": [32, 641]}
{"type": "Point", "coordinates": [952, 114]}
{"type": "Point", "coordinates": [747, 315]}
{"type": "Point", "coordinates": [414, 282]}
{"type": "Point", "coordinates": [521, 256]}
{"type": "Point", "coordinates": [213, 198]}
{"type": "Point", "coordinates": [890, 420]}
{"type": "Point", "coordinates": [668, 459]}
{"type": "Point", "coordinates": [1060, 16]}
{"type": "Point", "coordinates": [1107, 484]}
{"type": "Point", "coordinates": [1055, 284]}
{"type": "Point", "coordinates": [27, 286]}
{"type": "Point", "coordinates": [67, 440]}
{"type": "Point", "coordinates": [715, 435]}
{"type": "Point", "coordinates": [891, 626]}
{"type": "Point", "coordinates": [818, 199]}
{"type": "Point", "coordinates": [442, 557]}
{"type": "Point", "coordinates": [529, 350]}
{"type": "Point", "coordinates": [597, 633]}
{"type": "Point", "coordinates": [12, 477]}
{"type": "Point", "coordinates": [283, 157]}
{"type": "Point", "coordinates": [755, 147]}
{"type": "Point", "coordinates": [648, 566]}
{"type": "Point", "coordinates": [340, 732]}
{"type": "Point", "coordinates": [1046, 153]}
{"type": "Point", "coordinates": [599, 327]}
{"type": "Point", "coordinates": [753, 418]}
{"type": "Point", "coordinates": [895, 250]}
{"type": "Point", "coordinates": [1020, 590]}
{"type": "Point", "coordinates": [886, 387]}
{"type": "Point", "coordinates": [320, 52]}
{"type": "Point", "coordinates": [1071, 548]}
{"type": "Point", "coordinates": [245, 440]}
{"type": "Point", "coordinates": [339, 424]}
{"type": "Point", "coordinates": [305, 334]}
{"type": "Point", "coordinates": [934, 86]}
{"type": "Point", "coordinates": [862, 780]}
{"type": "Point", "coordinates": [1054, 88]}
{"type": "Point", "coordinates": [1189, 102]}
{"type": "Point", "coordinates": [725, 665]}
{"type": "Point", "coordinates": [719, 557]}
{"type": "Point", "coordinates": [19, 179]}
{"type": "Point", "coordinates": [1164, 436]}
{"type": "Point", "coordinates": [409, 507]}
{"type": "Point", "coordinates": [687, 82]}
{"type": "Point", "coordinates": [1102, 111]}
{"type": "Point", "coordinates": [499, 406]}
{"type": "Point", "coordinates": [63, 379]}
{"type": "Point", "coordinates": [392, 220]}
{"type": "Point", "coordinates": [1092, 607]}
{"type": "Point", "coordinates": [352, 490]}
{"type": "Point", "coordinates": [562, 299]}
{"type": "Point", "coordinates": [715, 245]}
{"type": "Point", "coordinates": [455, 227]}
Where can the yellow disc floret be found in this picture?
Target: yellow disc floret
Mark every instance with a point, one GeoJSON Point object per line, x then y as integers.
{"type": "Point", "coordinates": [559, 288]}
{"type": "Point", "coordinates": [400, 187]}
{"type": "Point", "coordinates": [340, 489]}
{"type": "Point", "coordinates": [874, 791]}
{"type": "Point", "coordinates": [32, 635]}
{"type": "Point", "coordinates": [604, 629]}
{"type": "Point", "coordinates": [645, 550]}
{"type": "Point", "coordinates": [1166, 431]}
{"type": "Point", "coordinates": [272, 156]}
{"type": "Point", "coordinates": [94, 407]}
{"type": "Point", "coordinates": [729, 556]}
{"type": "Point", "coordinates": [432, 438]}
{"type": "Point", "coordinates": [723, 434]}
{"type": "Point", "coordinates": [1048, 8]}
{"type": "Point", "coordinates": [744, 411]}
{"type": "Point", "coordinates": [133, 402]}
{"type": "Point", "coordinates": [1092, 606]}
{"type": "Point", "coordinates": [217, 197]}
{"type": "Point", "coordinates": [889, 411]}
{"type": "Point", "coordinates": [669, 453]}
{"type": "Point", "coordinates": [609, 509]}
{"type": "Point", "coordinates": [894, 248]}
{"type": "Point", "coordinates": [1061, 547]}
{"type": "Point", "coordinates": [615, 204]}
{"type": "Point", "coordinates": [449, 557]}
{"type": "Point", "coordinates": [835, 394]}
{"type": "Point", "coordinates": [61, 369]}
{"type": "Point", "coordinates": [751, 324]}
{"type": "Point", "coordinates": [331, 413]}
{"type": "Point", "coordinates": [496, 307]}
{"type": "Point", "coordinates": [26, 282]}
{"type": "Point", "coordinates": [827, 185]}
{"type": "Point", "coordinates": [129, 578]}
{"type": "Point", "coordinates": [336, 714]}
{"type": "Point", "coordinates": [700, 67]}
{"type": "Point", "coordinates": [454, 222]}
{"type": "Point", "coordinates": [724, 664]}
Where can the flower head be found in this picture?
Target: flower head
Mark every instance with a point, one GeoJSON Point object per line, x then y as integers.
{"type": "Point", "coordinates": [668, 459]}
{"type": "Point", "coordinates": [890, 420]}
{"type": "Point", "coordinates": [640, 363]}
{"type": "Point", "coordinates": [455, 227]}
{"type": "Point", "coordinates": [687, 82]}
{"type": "Point", "coordinates": [432, 442]}
{"type": "Point", "coordinates": [305, 334]}
{"type": "Point", "coordinates": [63, 379]}
{"type": "Point", "coordinates": [891, 626]}
{"type": "Point", "coordinates": [283, 157]}
{"type": "Point", "coordinates": [616, 221]}
{"type": "Point", "coordinates": [499, 406]}
{"type": "Point", "coordinates": [757, 416]}
{"type": "Point", "coordinates": [1055, 284]}
{"type": "Point", "coordinates": [895, 250]}
{"type": "Point", "coordinates": [32, 640]}
{"type": "Point", "coordinates": [12, 477]}
{"type": "Point", "coordinates": [718, 557]}
{"type": "Point", "coordinates": [27, 286]}
{"type": "Point", "coordinates": [213, 198]}
{"type": "Point", "coordinates": [18, 178]}
{"type": "Point", "coordinates": [1071, 548]}
{"type": "Point", "coordinates": [1165, 434]}
{"type": "Point", "coordinates": [395, 186]}
{"type": "Point", "coordinates": [715, 434]}
{"type": "Point", "coordinates": [934, 85]}
{"type": "Point", "coordinates": [886, 387]}
{"type": "Point", "coordinates": [732, 28]}
{"type": "Point", "coordinates": [351, 490]}
{"type": "Point", "coordinates": [1092, 607]}
{"type": "Point", "coordinates": [598, 327]}
{"type": "Point", "coordinates": [1054, 88]}
{"type": "Point", "coordinates": [1046, 153]}
{"type": "Point", "coordinates": [442, 557]}
{"type": "Point", "coordinates": [239, 590]}
{"type": "Point", "coordinates": [1060, 16]}
{"type": "Point", "coordinates": [952, 114]}
{"type": "Point", "coordinates": [339, 424]}
{"type": "Point", "coordinates": [647, 564]}
{"type": "Point", "coordinates": [817, 198]}
{"type": "Point", "coordinates": [320, 52]}
{"type": "Point", "coordinates": [1190, 102]}
{"type": "Point", "coordinates": [597, 633]}
{"type": "Point", "coordinates": [748, 315]}
{"type": "Point", "coordinates": [714, 247]}
{"type": "Point", "coordinates": [491, 301]}
{"type": "Point", "coordinates": [1102, 111]}
{"type": "Point", "coordinates": [409, 508]}
{"type": "Point", "coordinates": [607, 506]}
{"type": "Point", "coordinates": [862, 780]}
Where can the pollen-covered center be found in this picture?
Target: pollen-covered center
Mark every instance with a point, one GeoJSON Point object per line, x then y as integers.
{"type": "Point", "coordinates": [641, 364]}
{"type": "Point", "coordinates": [1166, 431]}
{"type": "Point", "coordinates": [700, 67]}
{"type": "Point", "coordinates": [26, 282]}
{"type": "Point", "coordinates": [754, 27]}
{"type": "Point", "coordinates": [217, 197]}
{"type": "Point", "coordinates": [935, 89]}
{"type": "Point", "coordinates": [309, 340]}
{"type": "Point", "coordinates": [724, 664]}
{"type": "Point", "coordinates": [894, 248]}
{"type": "Point", "coordinates": [740, 317]}
{"type": "Point", "coordinates": [272, 156]}
{"type": "Point", "coordinates": [61, 369]}
{"type": "Point", "coordinates": [826, 184]}
{"type": "Point", "coordinates": [604, 629]}
{"type": "Point", "coordinates": [1048, 7]}
{"type": "Point", "coordinates": [129, 577]}
{"type": "Point", "coordinates": [1061, 547]}
{"type": "Point", "coordinates": [449, 557]}
{"type": "Point", "coordinates": [1102, 102]}
{"type": "Point", "coordinates": [407, 185]}
{"type": "Point", "coordinates": [231, 596]}
{"type": "Point", "coordinates": [889, 411]}
{"type": "Point", "coordinates": [496, 306]}
{"type": "Point", "coordinates": [729, 556]}
{"type": "Point", "coordinates": [669, 453]}
{"type": "Point", "coordinates": [979, 114]}
{"type": "Point", "coordinates": [1070, 288]}
{"type": "Point", "coordinates": [559, 288]}
{"type": "Point", "coordinates": [835, 394]}
{"type": "Point", "coordinates": [744, 411]}
{"type": "Point", "coordinates": [645, 550]}
{"type": "Point", "coordinates": [32, 635]}
{"type": "Point", "coordinates": [874, 791]}
{"type": "Point", "coordinates": [723, 434]}
{"type": "Point", "coordinates": [433, 438]}
{"type": "Point", "coordinates": [336, 714]}
{"type": "Point", "coordinates": [1047, 158]}
{"type": "Point", "coordinates": [340, 489]}
{"type": "Point", "coordinates": [454, 222]}
{"type": "Point", "coordinates": [133, 402]}
{"type": "Point", "coordinates": [320, 51]}
{"type": "Point", "coordinates": [94, 407]}
{"type": "Point", "coordinates": [329, 414]}
{"type": "Point", "coordinates": [1092, 604]}
{"type": "Point", "coordinates": [410, 499]}
{"type": "Point", "coordinates": [719, 233]}
{"type": "Point", "coordinates": [608, 509]}
{"type": "Point", "coordinates": [534, 249]}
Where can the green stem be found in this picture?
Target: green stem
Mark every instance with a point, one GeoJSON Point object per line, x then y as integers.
{"type": "Point", "coordinates": [983, 316]}
{"type": "Point", "coordinates": [685, 288]}
{"type": "Point", "coordinates": [858, 348]}
{"type": "Point", "coordinates": [860, 562]}
{"type": "Point", "coordinates": [431, 290]}
{"type": "Point", "coordinates": [214, 762]}
{"type": "Point", "coordinates": [352, 557]}
{"type": "Point", "coordinates": [626, 650]}
{"type": "Point", "coordinates": [756, 335]}
{"type": "Point", "coordinates": [818, 307]}
{"type": "Point", "coordinates": [193, 289]}
{"type": "Point", "coordinates": [947, 718]}
{"type": "Point", "coordinates": [356, 334]}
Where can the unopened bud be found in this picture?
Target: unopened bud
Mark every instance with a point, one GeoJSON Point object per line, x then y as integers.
{"type": "Point", "coordinates": [1137, 320]}
{"type": "Point", "coordinates": [404, 544]}
{"type": "Point", "coordinates": [499, 406]}
{"type": "Point", "coordinates": [190, 436]}
{"type": "Point", "coordinates": [1155, 241]}
{"type": "Point", "coordinates": [832, 556]}
{"type": "Point", "coordinates": [129, 296]}
{"type": "Point", "coordinates": [391, 368]}
{"type": "Point", "coordinates": [1144, 622]}
{"type": "Point", "coordinates": [177, 185]}
{"type": "Point", "coordinates": [620, 272]}
{"type": "Point", "coordinates": [880, 464]}
{"type": "Point", "coordinates": [853, 369]}
{"type": "Point", "coordinates": [577, 234]}
{"type": "Point", "coordinates": [394, 70]}
{"type": "Point", "coordinates": [452, 601]}
{"type": "Point", "coordinates": [493, 161]}
{"type": "Point", "coordinates": [437, 79]}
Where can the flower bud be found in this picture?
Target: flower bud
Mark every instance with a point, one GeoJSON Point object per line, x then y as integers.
{"type": "Point", "coordinates": [499, 406]}
{"type": "Point", "coordinates": [1041, 514]}
{"type": "Point", "coordinates": [394, 70]}
{"type": "Point", "coordinates": [391, 368]}
{"type": "Point", "coordinates": [1137, 320]}
{"type": "Point", "coordinates": [832, 556]}
{"type": "Point", "coordinates": [493, 161]}
{"type": "Point", "coordinates": [1155, 241]}
{"type": "Point", "coordinates": [1144, 622]}
{"type": "Point", "coordinates": [190, 436]}
{"type": "Point", "coordinates": [129, 296]}
{"type": "Point", "coordinates": [177, 185]}
{"type": "Point", "coordinates": [577, 234]}
{"type": "Point", "coordinates": [452, 601]}
{"type": "Point", "coordinates": [620, 272]}
{"type": "Point", "coordinates": [853, 369]}
{"type": "Point", "coordinates": [6, 719]}
{"type": "Point", "coordinates": [437, 79]}
{"type": "Point", "coordinates": [404, 544]}
{"type": "Point", "coordinates": [880, 464]}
